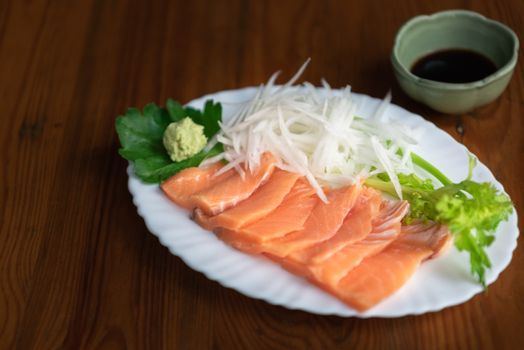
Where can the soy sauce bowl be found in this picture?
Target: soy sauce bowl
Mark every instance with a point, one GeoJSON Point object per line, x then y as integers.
{"type": "Point", "coordinates": [455, 29]}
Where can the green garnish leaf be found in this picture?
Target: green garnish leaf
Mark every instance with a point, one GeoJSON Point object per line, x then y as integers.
{"type": "Point", "coordinates": [471, 210]}
{"type": "Point", "coordinates": [141, 133]}
{"type": "Point", "coordinates": [160, 167]}
{"type": "Point", "coordinates": [209, 117]}
{"type": "Point", "coordinates": [175, 110]}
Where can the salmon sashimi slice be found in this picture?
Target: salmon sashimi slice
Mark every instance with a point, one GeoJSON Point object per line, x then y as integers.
{"type": "Point", "coordinates": [288, 217]}
{"type": "Point", "coordinates": [322, 224]}
{"type": "Point", "coordinates": [180, 187]}
{"type": "Point", "coordinates": [263, 201]}
{"type": "Point", "coordinates": [234, 189]}
{"type": "Point", "coordinates": [356, 226]}
{"type": "Point", "coordinates": [423, 234]}
{"type": "Point", "coordinates": [236, 240]}
{"type": "Point", "coordinates": [379, 276]}
{"type": "Point", "coordinates": [386, 228]}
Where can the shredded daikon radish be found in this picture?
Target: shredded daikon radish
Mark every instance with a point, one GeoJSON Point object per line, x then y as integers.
{"type": "Point", "coordinates": [315, 132]}
{"type": "Point", "coordinates": [379, 113]}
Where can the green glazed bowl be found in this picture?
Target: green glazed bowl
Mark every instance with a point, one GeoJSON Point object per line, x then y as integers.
{"type": "Point", "coordinates": [456, 29]}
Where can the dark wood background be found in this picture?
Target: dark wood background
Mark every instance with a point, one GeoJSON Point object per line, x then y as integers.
{"type": "Point", "coordinates": [79, 268]}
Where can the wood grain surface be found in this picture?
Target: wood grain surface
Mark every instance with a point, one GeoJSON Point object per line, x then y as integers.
{"type": "Point", "coordinates": [78, 268]}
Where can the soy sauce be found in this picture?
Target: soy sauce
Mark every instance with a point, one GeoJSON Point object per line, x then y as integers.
{"type": "Point", "coordinates": [454, 66]}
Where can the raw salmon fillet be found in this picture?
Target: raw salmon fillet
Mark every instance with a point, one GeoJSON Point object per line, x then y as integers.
{"type": "Point", "coordinates": [379, 276]}
{"type": "Point", "coordinates": [234, 189]}
{"type": "Point", "coordinates": [386, 228]}
{"type": "Point", "coordinates": [288, 217]}
{"type": "Point", "coordinates": [180, 187]}
{"type": "Point", "coordinates": [428, 234]}
{"type": "Point", "coordinates": [356, 226]}
{"type": "Point", "coordinates": [322, 224]}
{"type": "Point", "coordinates": [265, 199]}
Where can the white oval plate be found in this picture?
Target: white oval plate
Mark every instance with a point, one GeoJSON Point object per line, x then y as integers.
{"type": "Point", "coordinates": [437, 284]}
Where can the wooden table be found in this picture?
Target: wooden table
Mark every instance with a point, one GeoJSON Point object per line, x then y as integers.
{"type": "Point", "coordinates": [79, 268]}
